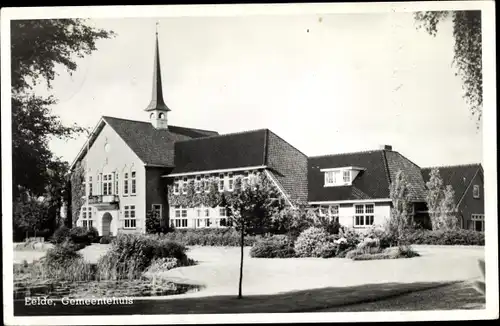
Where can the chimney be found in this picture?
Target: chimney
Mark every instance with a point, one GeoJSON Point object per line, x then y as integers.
{"type": "Point", "coordinates": [386, 147]}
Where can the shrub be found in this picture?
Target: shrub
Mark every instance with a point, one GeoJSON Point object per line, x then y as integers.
{"type": "Point", "coordinates": [388, 253]}
{"type": "Point", "coordinates": [386, 239]}
{"type": "Point", "coordinates": [61, 254]}
{"type": "Point", "coordinates": [130, 255]}
{"type": "Point", "coordinates": [329, 225]}
{"type": "Point", "coordinates": [273, 247]}
{"type": "Point", "coordinates": [60, 235]}
{"type": "Point", "coordinates": [351, 254]}
{"type": "Point", "coordinates": [93, 235]}
{"type": "Point", "coordinates": [161, 265]}
{"type": "Point", "coordinates": [106, 239]}
{"type": "Point", "coordinates": [79, 235]}
{"type": "Point", "coordinates": [209, 237]}
{"type": "Point", "coordinates": [313, 242]}
{"type": "Point", "coordinates": [407, 252]}
{"type": "Point", "coordinates": [446, 237]}
{"type": "Point", "coordinates": [328, 250]}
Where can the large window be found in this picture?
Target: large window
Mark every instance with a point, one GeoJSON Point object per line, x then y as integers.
{"type": "Point", "coordinates": [332, 178]}
{"type": "Point", "coordinates": [197, 184]}
{"type": "Point", "coordinates": [177, 187]}
{"type": "Point", "coordinates": [107, 182]}
{"type": "Point", "coordinates": [157, 208]}
{"type": "Point", "coordinates": [180, 217]}
{"type": "Point", "coordinates": [87, 221]}
{"type": "Point", "coordinates": [222, 216]}
{"type": "Point", "coordinates": [185, 186]}
{"type": "Point", "coordinates": [134, 183]}
{"type": "Point", "coordinates": [117, 188]}
{"type": "Point", "coordinates": [90, 185]}
{"type": "Point", "coordinates": [125, 184]}
{"type": "Point", "coordinates": [477, 222]}
{"type": "Point", "coordinates": [221, 182]}
{"type": "Point", "coordinates": [337, 177]}
{"type": "Point", "coordinates": [230, 182]}
{"type": "Point", "coordinates": [475, 191]}
{"type": "Point", "coordinates": [347, 176]}
{"type": "Point", "coordinates": [129, 217]}
{"type": "Point", "coordinates": [330, 211]}
{"type": "Point", "coordinates": [364, 215]}
{"type": "Point", "coordinates": [206, 183]}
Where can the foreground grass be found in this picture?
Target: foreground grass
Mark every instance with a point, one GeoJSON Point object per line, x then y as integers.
{"type": "Point", "coordinates": [296, 301]}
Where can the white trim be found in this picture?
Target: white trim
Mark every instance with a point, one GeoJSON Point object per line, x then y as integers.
{"type": "Point", "coordinates": [361, 201]}
{"type": "Point", "coordinates": [342, 168]}
{"type": "Point", "coordinates": [214, 171]}
{"type": "Point", "coordinates": [279, 188]}
{"type": "Point", "coordinates": [84, 147]}
{"type": "Point", "coordinates": [161, 208]}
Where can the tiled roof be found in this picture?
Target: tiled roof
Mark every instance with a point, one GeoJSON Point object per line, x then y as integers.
{"type": "Point", "coordinates": [153, 146]}
{"type": "Point", "coordinates": [229, 151]}
{"type": "Point", "coordinates": [458, 176]}
{"type": "Point", "coordinates": [380, 168]}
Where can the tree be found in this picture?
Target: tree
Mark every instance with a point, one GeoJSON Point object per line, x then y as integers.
{"type": "Point", "coordinates": [468, 50]}
{"type": "Point", "coordinates": [37, 47]}
{"type": "Point", "coordinates": [440, 203]}
{"type": "Point", "coordinates": [250, 207]}
{"type": "Point", "coordinates": [30, 214]}
{"type": "Point", "coordinates": [399, 220]}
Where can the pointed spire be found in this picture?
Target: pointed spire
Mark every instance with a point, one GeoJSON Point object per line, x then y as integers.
{"type": "Point", "coordinates": [157, 102]}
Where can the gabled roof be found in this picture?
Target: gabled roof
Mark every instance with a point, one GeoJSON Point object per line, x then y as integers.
{"type": "Point", "coordinates": [229, 151]}
{"type": "Point", "coordinates": [152, 146]}
{"type": "Point", "coordinates": [458, 176]}
{"type": "Point", "coordinates": [380, 168]}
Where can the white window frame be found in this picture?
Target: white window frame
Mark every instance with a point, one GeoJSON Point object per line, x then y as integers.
{"type": "Point", "coordinates": [476, 192]}
{"type": "Point", "coordinates": [221, 184]}
{"type": "Point", "coordinates": [125, 184]}
{"type": "Point", "coordinates": [107, 184]}
{"type": "Point", "coordinates": [133, 183]}
{"type": "Point", "coordinates": [346, 173]}
{"type": "Point", "coordinates": [364, 216]}
{"type": "Point", "coordinates": [332, 178]}
{"type": "Point", "coordinates": [334, 214]}
{"type": "Point", "coordinates": [129, 215]}
{"type": "Point", "coordinates": [180, 216]}
{"type": "Point", "coordinates": [230, 184]}
{"type": "Point", "coordinates": [90, 186]}
{"type": "Point", "coordinates": [197, 184]}
{"type": "Point", "coordinates": [206, 183]}
{"type": "Point", "coordinates": [117, 183]}
{"type": "Point", "coordinates": [184, 185]}
{"type": "Point", "coordinates": [86, 216]}
{"type": "Point", "coordinates": [177, 186]}
{"type": "Point", "coordinates": [161, 208]}
{"type": "Point", "coordinates": [477, 218]}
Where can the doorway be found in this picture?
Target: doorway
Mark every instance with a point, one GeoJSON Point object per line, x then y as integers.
{"type": "Point", "coordinates": [106, 224]}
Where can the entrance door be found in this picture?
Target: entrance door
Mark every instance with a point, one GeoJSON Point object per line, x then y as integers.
{"type": "Point", "coordinates": [106, 224]}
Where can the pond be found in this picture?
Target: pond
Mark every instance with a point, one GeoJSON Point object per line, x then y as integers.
{"type": "Point", "coordinates": [130, 288]}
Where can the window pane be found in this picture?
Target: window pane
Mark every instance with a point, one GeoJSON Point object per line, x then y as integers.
{"type": "Point", "coordinates": [369, 208]}
{"type": "Point", "coordinates": [359, 209]}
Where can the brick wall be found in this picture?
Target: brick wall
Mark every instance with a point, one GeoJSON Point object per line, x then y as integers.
{"type": "Point", "coordinates": [156, 191]}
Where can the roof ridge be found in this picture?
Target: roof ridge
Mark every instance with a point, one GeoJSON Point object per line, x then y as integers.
{"type": "Point", "coordinates": [386, 167]}
{"type": "Point", "coordinates": [452, 166]}
{"type": "Point", "coordinates": [222, 135]}
{"type": "Point", "coordinates": [348, 153]}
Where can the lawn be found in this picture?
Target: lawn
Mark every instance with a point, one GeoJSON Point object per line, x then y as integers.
{"type": "Point", "coordinates": [307, 284]}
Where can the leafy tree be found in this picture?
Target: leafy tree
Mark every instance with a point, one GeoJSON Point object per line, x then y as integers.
{"type": "Point", "coordinates": [399, 221]}
{"type": "Point", "coordinates": [448, 218]}
{"type": "Point", "coordinates": [468, 47]}
{"type": "Point", "coordinates": [30, 214]}
{"type": "Point", "coordinates": [251, 207]}
{"type": "Point", "coordinates": [433, 197]}
{"type": "Point", "coordinates": [37, 47]}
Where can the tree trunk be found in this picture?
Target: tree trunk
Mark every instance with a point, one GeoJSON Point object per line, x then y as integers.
{"type": "Point", "coordinates": [242, 242]}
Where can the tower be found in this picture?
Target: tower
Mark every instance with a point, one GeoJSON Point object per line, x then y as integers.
{"type": "Point", "coordinates": [157, 109]}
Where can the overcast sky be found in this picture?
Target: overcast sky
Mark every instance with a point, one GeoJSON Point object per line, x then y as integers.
{"type": "Point", "coordinates": [325, 83]}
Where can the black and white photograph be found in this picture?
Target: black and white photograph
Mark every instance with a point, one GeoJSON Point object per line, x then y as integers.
{"type": "Point", "coordinates": [249, 163]}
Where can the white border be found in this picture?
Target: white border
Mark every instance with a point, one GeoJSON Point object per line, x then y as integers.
{"type": "Point", "coordinates": [489, 152]}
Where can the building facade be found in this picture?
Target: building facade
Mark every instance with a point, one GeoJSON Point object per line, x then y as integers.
{"type": "Point", "coordinates": [129, 168]}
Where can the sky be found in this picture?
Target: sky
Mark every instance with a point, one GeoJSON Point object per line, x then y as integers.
{"type": "Point", "coordinates": [327, 84]}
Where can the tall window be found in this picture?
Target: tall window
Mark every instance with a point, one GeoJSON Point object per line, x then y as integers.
{"type": "Point", "coordinates": [246, 177]}
{"type": "Point", "coordinates": [197, 184]}
{"type": "Point", "coordinates": [207, 217]}
{"type": "Point", "coordinates": [333, 212]}
{"type": "Point", "coordinates": [364, 215]}
{"type": "Point", "coordinates": [477, 222]}
{"type": "Point", "coordinates": [475, 191]}
{"type": "Point", "coordinates": [176, 187]}
{"type": "Point", "coordinates": [129, 216]}
{"type": "Point", "coordinates": [87, 221]}
{"type": "Point", "coordinates": [185, 186]}
{"type": "Point", "coordinates": [231, 182]}
{"type": "Point", "coordinates": [90, 185]}
{"type": "Point", "coordinates": [117, 189]}
{"type": "Point", "coordinates": [180, 217]}
{"type": "Point", "coordinates": [133, 180]}
{"type": "Point", "coordinates": [206, 183]}
{"type": "Point", "coordinates": [346, 176]}
{"type": "Point", "coordinates": [106, 184]}
{"type": "Point", "coordinates": [221, 182]}
{"type": "Point", "coordinates": [157, 208]}
{"type": "Point", "coordinates": [222, 216]}
{"type": "Point", "coordinates": [125, 184]}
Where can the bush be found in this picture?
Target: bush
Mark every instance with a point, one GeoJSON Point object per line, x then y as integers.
{"type": "Point", "coordinates": [449, 237]}
{"type": "Point", "coordinates": [313, 242]}
{"type": "Point", "coordinates": [130, 255]}
{"type": "Point", "coordinates": [93, 235]}
{"type": "Point", "coordinates": [386, 239]}
{"type": "Point", "coordinates": [209, 237]}
{"type": "Point", "coordinates": [60, 235]}
{"type": "Point", "coordinates": [106, 239]}
{"type": "Point", "coordinates": [328, 250]}
{"type": "Point", "coordinates": [273, 247]}
{"type": "Point", "coordinates": [159, 265]}
{"type": "Point", "coordinates": [79, 235]}
{"type": "Point", "coordinates": [61, 254]}
{"type": "Point", "coordinates": [388, 253]}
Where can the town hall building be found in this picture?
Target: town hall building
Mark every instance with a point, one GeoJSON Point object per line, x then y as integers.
{"type": "Point", "coordinates": [127, 167]}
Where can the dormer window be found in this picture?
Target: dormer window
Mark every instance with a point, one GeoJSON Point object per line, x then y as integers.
{"type": "Point", "coordinates": [343, 176]}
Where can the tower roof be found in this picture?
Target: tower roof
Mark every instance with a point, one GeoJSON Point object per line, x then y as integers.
{"type": "Point", "coordinates": [157, 102]}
